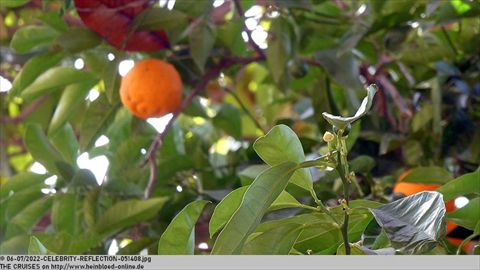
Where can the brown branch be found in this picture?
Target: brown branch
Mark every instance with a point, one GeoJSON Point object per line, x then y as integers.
{"type": "Point", "coordinates": [240, 12]}
{"type": "Point", "coordinates": [28, 110]}
{"type": "Point", "coordinates": [393, 92]}
{"type": "Point", "coordinates": [200, 86]}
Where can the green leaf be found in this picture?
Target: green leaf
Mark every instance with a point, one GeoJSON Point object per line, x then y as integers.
{"type": "Point", "coordinates": [258, 197]}
{"type": "Point", "coordinates": [63, 243]}
{"type": "Point", "coordinates": [158, 19]}
{"type": "Point", "coordinates": [465, 184]}
{"type": "Point", "coordinates": [284, 200]}
{"type": "Point", "coordinates": [41, 149]}
{"type": "Point", "coordinates": [428, 175]}
{"type": "Point", "coordinates": [201, 40]}
{"type": "Point", "coordinates": [355, 250]}
{"type": "Point", "coordinates": [24, 221]}
{"type": "Point", "coordinates": [230, 203]}
{"type": "Point", "coordinates": [20, 182]}
{"type": "Point", "coordinates": [97, 62]}
{"type": "Point", "coordinates": [415, 223]}
{"type": "Point", "coordinates": [460, 6]}
{"type": "Point", "coordinates": [84, 177]}
{"type": "Point", "coordinates": [225, 209]}
{"type": "Point", "coordinates": [32, 69]}
{"type": "Point", "coordinates": [381, 241]}
{"type": "Point", "coordinates": [250, 173]}
{"type": "Point", "coordinates": [65, 141]}
{"type": "Point", "coordinates": [53, 79]}
{"type": "Point", "coordinates": [229, 120]}
{"type": "Point", "coordinates": [341, 122]}
{"type": "Point", "coordinates": [173, 22]}
{"type": "Point", "coordinates": [422, 117]}
{"type": "Point", "coordinates": [344, 70]}
{"type": "Point", "coordinates": [319, 232]}
{"type": "Point", "coordinates": [126, 213]}
{"type": "Point", "coordinates": [14, 3]}
{"type": "Point", "coordinates": [64, 213]}
{"type": "Point", "coordinates": [194, 8]}
{"type": "Point", "coordinates": [230, 36]}
{"type": "Point", "coordinates": [361, 250]}
{"type": "Point", "coordinates": [37, 248]}
{"type": "Point", "coordinates": [78, 39]}
{"type": "Point", "coordinates": [96, 118]}
{"type": "Point", "coordinates": [33, 36]}
{"type": "Point", "coordinates": [55, 20]}
{"type": "Point", "coordinates": [278, 241]}
{"type": "Point", "coordinates": [15, 245]}
{"type": "Point", "coordinates": [71, 98]}
{"type": "Point", "coordinates": [279, 48]}
{"type": "Point", "coordinates": [179, 237]}
{"type": "Point", "coordinates": [362, 164]}
{"type": "Point", "coordinates": [89, 208]}
{"type": "Point", "coordinates": [467, 216]}
{"type": "Point", "coordinates": [15, 204]}
{"type": "Point", "coordinates": [281, 144]}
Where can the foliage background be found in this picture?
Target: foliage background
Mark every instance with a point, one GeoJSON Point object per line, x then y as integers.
{"type": "Point", "coordinates": [307, 57]}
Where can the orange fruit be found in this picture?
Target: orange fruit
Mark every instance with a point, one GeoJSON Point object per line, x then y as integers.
{"type": "Point", "coordinates": [407, 189]}
{"type": "Point", "coordinates": [152, 88]}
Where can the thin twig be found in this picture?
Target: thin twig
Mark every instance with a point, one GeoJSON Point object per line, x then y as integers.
{"type": "Point", "coordinates": [239, 10]}
{"type": "Point", "coordinates": [244, 108]}
{"type": "Point", "coordinates": [406, 73]}
{"type": "Point", "coordinates": [449, 40]}
{"type": "Point", "coordinates": [28, 110]}
{"type": "Point", "coordinates": [200, 86]}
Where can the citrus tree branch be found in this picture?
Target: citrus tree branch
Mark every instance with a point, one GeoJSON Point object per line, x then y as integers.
{"type": "Point", "coordinates": [25, 112]}
{"type": "Point", "coordinates": [199, 87]}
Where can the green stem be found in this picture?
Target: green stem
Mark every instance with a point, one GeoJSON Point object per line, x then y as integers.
{"type": "Point", "coordinates": [459, 249]}
{"type": "Point", "coordinates": [308, 207]}
{"type": "Point", "coordinates": [342, 169]}
{"type": "Point", "coordinates": [319, 162]}
{"type": "Point", "coordinates": [357, 186]}
{"type": "Point", "coordinates": [322, 208]}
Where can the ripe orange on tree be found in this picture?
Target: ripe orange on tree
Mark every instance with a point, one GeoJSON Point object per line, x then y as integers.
{"type": "Point", "coordinates": [152, 88]}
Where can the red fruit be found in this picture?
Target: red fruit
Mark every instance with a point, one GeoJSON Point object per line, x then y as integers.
{"type": "Point", "coordinates": [111, 19]}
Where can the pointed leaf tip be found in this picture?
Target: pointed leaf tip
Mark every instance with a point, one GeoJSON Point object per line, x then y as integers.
{"type": "Point", "coordinates": [341, 122]}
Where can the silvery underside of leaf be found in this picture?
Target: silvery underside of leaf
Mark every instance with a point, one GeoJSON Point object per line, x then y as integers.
{"type": "Point", "coordinates": [415, 223]}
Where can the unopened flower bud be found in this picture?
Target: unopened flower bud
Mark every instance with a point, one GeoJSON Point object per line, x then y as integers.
{"type": "Point", "coordinates": [328, 136]}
